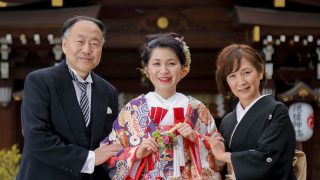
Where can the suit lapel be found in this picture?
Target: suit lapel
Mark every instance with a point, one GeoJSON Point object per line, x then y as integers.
{"type": "Point", "coordinates": [72, 111]}
{"type": "Point", "coordinates": [99, 105]}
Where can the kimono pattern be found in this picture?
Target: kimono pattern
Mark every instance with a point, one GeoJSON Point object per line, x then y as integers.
{"type": "Point", "coordinates": [134, 124]}
{"type": "Point", "coordinates": [263, 143]}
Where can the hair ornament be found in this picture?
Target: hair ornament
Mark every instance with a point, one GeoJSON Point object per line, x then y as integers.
{"type": "Point", "coordinates": [186, 52]}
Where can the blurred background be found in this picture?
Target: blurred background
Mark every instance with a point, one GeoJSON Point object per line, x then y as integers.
{"type": "Point", "coordinates": [285, 32]}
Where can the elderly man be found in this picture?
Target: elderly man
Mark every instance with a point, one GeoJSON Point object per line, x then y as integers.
{"type": "Point", "coordinates": [67, 110]}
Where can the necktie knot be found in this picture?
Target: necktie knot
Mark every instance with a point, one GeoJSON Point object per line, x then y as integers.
{"type": "Point", "coordinates": [84, 101]}
{"type": "Point", "coordinates": [82, 86]}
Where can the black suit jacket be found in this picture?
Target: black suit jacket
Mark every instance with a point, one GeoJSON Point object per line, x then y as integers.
{"type": "Point", "coordinates": [55, 137]}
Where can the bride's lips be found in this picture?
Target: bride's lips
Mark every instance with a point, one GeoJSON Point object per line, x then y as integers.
{"type": "Point", "coordinates": [164, 79]}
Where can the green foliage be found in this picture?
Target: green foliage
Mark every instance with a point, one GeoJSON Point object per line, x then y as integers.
{"type": "Point", "coordinates": [165, 140]}
{"type": "Point", "coordinates": [9, 163]}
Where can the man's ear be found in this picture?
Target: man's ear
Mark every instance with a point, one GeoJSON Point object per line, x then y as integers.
{"type": "Point", "coordinates": [64, 44]}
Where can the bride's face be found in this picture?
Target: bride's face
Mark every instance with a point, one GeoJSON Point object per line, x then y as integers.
{"type": "Point", "coordinates": [164, 70]}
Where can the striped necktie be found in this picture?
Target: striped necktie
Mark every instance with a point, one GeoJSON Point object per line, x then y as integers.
{"type": "Point", "coordinates": [84, 101]}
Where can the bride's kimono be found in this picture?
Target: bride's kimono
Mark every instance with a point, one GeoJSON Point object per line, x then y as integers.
{"type": "Point", "coordinates": [144, 115]}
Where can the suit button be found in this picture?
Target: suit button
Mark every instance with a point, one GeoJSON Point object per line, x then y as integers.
{"type": "Point", "coordinates": [269, 159]}
{"type": "Point", "coordinates": [270, 116]}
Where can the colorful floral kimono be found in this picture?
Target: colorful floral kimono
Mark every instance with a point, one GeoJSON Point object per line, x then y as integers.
{"type": "Point", "coordinates": [178, 158]}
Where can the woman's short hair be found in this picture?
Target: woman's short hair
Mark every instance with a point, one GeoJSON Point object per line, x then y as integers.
{"type": "Point", "coordinates": [231, 56]}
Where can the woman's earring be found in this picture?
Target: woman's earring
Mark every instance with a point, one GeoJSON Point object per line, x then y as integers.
{"type": "Point", "coordinates": [147, 75]}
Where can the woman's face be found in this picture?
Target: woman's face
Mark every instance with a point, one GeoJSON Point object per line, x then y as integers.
{"type": "Point", "coordinates": [164, 71]}
{"type": "Point", "coordinates": [245, 82]}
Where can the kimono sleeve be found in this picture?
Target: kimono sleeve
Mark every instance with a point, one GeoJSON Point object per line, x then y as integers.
{"type": "Point", "coordinates": [205, 126]}
{"type": "Point", "coordinates": [123, 165]}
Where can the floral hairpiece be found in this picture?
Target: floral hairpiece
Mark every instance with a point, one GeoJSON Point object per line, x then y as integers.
{"type": "Point", "coordinates": [186, 52]}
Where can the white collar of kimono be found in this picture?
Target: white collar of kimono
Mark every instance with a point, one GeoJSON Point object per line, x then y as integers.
{"type": "Point", "coordinates": [153, 99]}
{"type": "Point", "coordinates": [241, 112]}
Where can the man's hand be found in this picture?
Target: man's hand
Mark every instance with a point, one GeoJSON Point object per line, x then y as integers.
{"type": "Point", "coordinates": [104, 152]}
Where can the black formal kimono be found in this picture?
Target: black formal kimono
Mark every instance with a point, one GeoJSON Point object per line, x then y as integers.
{"type": "Point", "coordinates": [263, 143]}
{"type": "Point", "coordinates": [56, 139]}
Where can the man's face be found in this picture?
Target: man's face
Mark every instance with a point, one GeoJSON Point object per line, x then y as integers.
{"type": "Point", "coordinates": [82, 46]}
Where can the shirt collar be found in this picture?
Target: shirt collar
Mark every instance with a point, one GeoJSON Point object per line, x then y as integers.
{"type": "Point", "coordinates": [88, 79]}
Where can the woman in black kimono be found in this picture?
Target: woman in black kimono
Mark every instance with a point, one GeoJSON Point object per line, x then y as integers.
{"type": "Point", "coordinates": [259, 138]}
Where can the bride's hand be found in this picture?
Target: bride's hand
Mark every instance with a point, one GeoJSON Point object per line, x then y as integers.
{"type": "Point", "coordinates": [186, 131]}
{"type": "Point", "coordinates": [146, 147]}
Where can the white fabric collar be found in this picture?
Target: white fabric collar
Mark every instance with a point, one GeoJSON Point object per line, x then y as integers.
{"type": "Point", "coordinates": [153, 99]}
{"type": "Point", "coordinates": [241, 112]}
